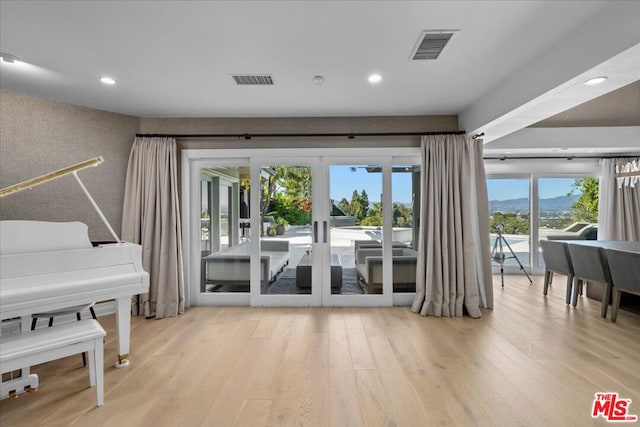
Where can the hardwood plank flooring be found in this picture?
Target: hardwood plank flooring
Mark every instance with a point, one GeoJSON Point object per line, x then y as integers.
{"type": "Point", "coordinates": [531, 360]}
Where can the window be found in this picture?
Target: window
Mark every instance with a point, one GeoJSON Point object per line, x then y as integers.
{"type": "Point", "coordinates": [567, 207]}
{"type": "Point", "coordinates": [509, 219]}
{"type": "Point", "coordinates": [223, 234]}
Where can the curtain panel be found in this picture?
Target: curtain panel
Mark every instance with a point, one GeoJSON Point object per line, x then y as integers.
{"type": "Point", "coordinates": [151, 218]}
{"type": "Point", "coordinates": [453, 268]}
{"type": "Point", "coordinates": [618, 206]}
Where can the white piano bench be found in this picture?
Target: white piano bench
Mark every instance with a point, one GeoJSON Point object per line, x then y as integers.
{"type": "Point", "coordinates": [30, 348]}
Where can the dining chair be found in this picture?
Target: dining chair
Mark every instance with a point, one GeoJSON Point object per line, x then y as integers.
{"type": "Point", "coordinates": [625, 274]}
{"type": "Point", "coordinates": [590, 265]}
{"type": "Point", "coordinates": [557, 260]}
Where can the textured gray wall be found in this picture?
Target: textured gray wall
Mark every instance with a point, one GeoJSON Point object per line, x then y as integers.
{"type": "Point", "coordinates": [38, 136]}
{"type": "Point", "coordinates": [300, 125]}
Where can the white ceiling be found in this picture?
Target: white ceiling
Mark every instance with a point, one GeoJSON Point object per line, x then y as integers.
{"type": "Point", "coordinates": [174, 59]}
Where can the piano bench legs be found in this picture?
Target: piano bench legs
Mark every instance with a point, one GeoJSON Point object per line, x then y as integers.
{"type": "Point", "coordinates": [43, 345]}
{"type": "Point", "coordinates": [78, 318]}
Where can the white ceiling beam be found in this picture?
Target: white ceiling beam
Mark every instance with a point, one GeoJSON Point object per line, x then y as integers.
{"type": "Point", "coordinates": [608, 42]}
{"type": "Point", "coordinates": [622, 139]}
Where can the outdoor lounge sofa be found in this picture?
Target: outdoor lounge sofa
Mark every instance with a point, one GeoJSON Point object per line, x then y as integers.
{"type": "Point", "coordinates": [577, 231]}
{"type": "Point", "coordinates": [368, 244]}
{"type": "Point", "coordinates": [232, 265]}
{"type": "Point", "coordinates": [369, 268]}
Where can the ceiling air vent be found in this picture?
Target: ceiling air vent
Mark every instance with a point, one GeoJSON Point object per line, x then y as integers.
{"type": "Point", "coordinates": [430, 44]}
{"type": "Point", "coordinates": [253, 79]}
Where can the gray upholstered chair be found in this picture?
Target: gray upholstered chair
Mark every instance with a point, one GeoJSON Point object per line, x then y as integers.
{"type": "Point", "coordinates": [590, 265]}
{"type": "Point", "coordinates": [625, 275]}
{"type": "Point", "coordinates": [557, 260]}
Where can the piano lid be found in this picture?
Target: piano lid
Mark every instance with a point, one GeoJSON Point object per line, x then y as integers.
{"type": "Point", "coordinates": [70, 170]}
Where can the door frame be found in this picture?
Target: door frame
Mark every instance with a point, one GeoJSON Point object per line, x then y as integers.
{"type": "Point", "coordinates": [193, 159]}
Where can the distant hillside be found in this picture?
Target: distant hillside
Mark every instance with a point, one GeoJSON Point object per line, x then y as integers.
{"type": "Point", "coordinates": [554, 204]}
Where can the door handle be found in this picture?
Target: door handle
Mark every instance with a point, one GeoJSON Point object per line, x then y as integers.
{"type": "Point", "coordinates": [324, 229]}
{"type": "Point", "coordinates": [315, 231]}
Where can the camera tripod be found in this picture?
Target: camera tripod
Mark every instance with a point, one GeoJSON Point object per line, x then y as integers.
{"type": "Point", "coordinates": [498, 255]}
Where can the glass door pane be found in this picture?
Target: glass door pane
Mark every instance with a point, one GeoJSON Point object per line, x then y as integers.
{"type": "Point", "coordinates": [286, 250]}
{"type": "Point", "coordinates": [355, 229]}
{"type": "Point", "coordinates": [509, 220]}
{"type": "Point", "coordinates": [225, 250]}
{"type": "Point", "coordinates": [205, 216]}
{"type": "Point", "coordinates": [568, 209]}
{"type": "Point", "coordinates": [405, 188]}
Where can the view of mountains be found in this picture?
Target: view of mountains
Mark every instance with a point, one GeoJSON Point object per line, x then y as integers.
{"type": "Point", "coordinates": [554, 204]}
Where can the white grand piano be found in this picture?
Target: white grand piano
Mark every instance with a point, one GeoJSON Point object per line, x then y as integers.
{"type": "Point", "coordinates": [49, 266]}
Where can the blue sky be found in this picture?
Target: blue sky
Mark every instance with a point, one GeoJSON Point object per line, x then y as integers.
{"type": "Point", "coordinates": [505, 189]}
{"type": "Point", "coordinates": [343, 180]}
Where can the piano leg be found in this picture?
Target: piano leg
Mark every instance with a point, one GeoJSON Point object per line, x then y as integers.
{"type": "Point", "coordinates": [123, 329]}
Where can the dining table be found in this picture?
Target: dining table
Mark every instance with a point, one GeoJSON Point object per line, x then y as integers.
{"type": "Point", "coordinates": [620, 245]}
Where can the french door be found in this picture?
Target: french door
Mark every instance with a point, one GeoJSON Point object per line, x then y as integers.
{"type": "Point", "coordinates": [299, 228]}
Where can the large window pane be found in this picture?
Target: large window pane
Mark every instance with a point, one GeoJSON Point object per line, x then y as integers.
{"type": "Point", "coordinates": [225, 260]}
{"type": "Point", "coordinates": [405, 188]}
{"type": "Point", "coordinates": [568, 209]}
{"type": "Point", "coordinates": [356, 229]}
{"type": "Point", "coordinates": [285, 242]}
{"type": "Point", "coordinates": [509, 220]}
{"type": "Point", "coordinates": [205, 216]}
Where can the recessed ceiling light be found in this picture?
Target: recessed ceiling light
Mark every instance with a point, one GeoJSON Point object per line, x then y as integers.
{"type": "Point", "coordinates": [595, 81]}
{"type": "Point", "coordinates": [9, 58]}
{"type": "Point", "coordinates": [375, 78]}
{"type": "Point", "coordinates": [318, 80]}
{"type": "Point", "coordinates": [107, 80]}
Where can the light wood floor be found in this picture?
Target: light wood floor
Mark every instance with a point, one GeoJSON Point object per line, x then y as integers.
{"type": "Point", "coordinates": [530, 361]}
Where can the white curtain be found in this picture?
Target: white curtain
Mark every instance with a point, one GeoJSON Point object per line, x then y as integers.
{"type": "Point", "coordinates": [618, 207]}
{"type": "Point", "coordinates": [454, 269]}
{"type": "Point", "coordinates": [151, 217]}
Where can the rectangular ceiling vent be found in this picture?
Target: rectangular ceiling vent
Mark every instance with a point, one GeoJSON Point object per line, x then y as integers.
{"type": "Point", "coordinates": [430, 44]}
{"type": "Point", "coordinates": [253, 79]}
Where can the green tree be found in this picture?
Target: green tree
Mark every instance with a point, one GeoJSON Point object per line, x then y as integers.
{"type": "Point", "coordinates": [296, 182]}
{"type": "Point", "coordinates": [357, 207]}
{"type": "Point", "coordinates": [344, 206]}
{"type": "Point", "coordinates": [402, 216]}
{"type": "Point", "coordinates": [286, 193]}
{"type": "Point", "coordinates": [586, 207]}
{"type": "Point", "coordinates": [374, 216]}
{"type": "Point", "coordinates": [364, 199]}
{"type": "Point", "coordinates": [514, 223]}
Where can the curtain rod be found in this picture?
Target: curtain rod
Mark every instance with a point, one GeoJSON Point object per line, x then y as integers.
{"type": "Point", "coordinates": [350, 135]}
{"type": "Point", "coordinates": [614, 156]}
